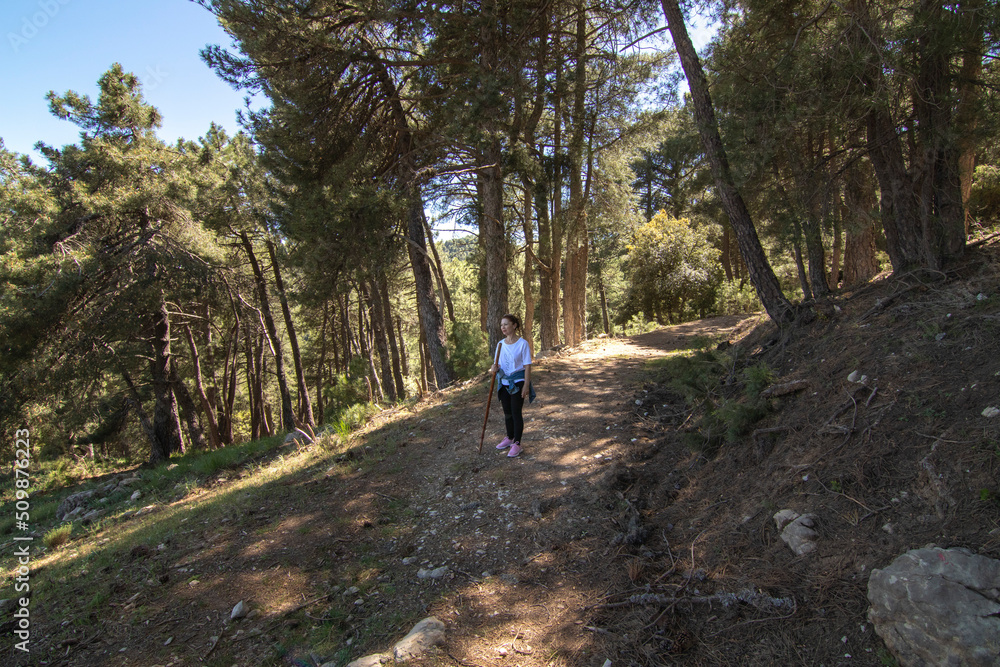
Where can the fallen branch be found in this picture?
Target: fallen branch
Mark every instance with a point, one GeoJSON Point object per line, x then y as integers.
{"type": "Point", "coordinates": [757, 600]}
{"type": "Point", "coordinates": [985, 239]}
{"type": "Point", "coordinates": [786, 388]}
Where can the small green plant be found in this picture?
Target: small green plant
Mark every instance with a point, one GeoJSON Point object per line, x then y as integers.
{"type": "Point", "coordinates": [57, 537]}
{"type": "Point", "coordinates": [757, 378]}
{"type": "Point", "coordinates": [835, 486]}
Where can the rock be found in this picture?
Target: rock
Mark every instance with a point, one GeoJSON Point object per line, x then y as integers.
{"type": "Point", "coordinates": [373, 660]}
{"type": "Point", "coordinates": [785, 517]}
{"type": "Point", "coordinates": [797, 531]}
{"type": "Point", "coordinates": [72, 502]}
{"type": "Point", "coordinates": [424, 635]}
{"type": "Point", "coordinates": [92, 516]}
{"type": "Point", "coordinates": [296, 438]}
{"type": "Point", "coordinates": [125, 483]}
{"type": "Point", "coordinates": [136, 495]}
{"type": "Point", "coordinates": [991, 412]}
{"type": "Point", "coordinates": [936, 606]}
{"type": "Point", "coordinates": [436, 573]}
{"type": "Point", "coordinates": [239, 611]}
{"type": "Point", "coordinates": [854, 376]}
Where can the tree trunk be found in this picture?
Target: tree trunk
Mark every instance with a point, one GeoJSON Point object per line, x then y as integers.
{"type": "Point", "coordinates": [432, 325]}
{"type": "Point", "coordinates": [188, 411]}
{"type": "Point", "coordinates": [967, 109]}
{"type": "Point", "coordinates": [305, 404]}
{"type": "Point", "coordinates": [574, 285]}
{"type": "Point", "coordinates": [374, 297]}
{"type": "Point", "coordinates": [253, 375]}
{"type": "Point", "coordinates": [226, 431]}
{"type": "Point", "coordinates": [727, 264]}
{"type": "Point", "coordinates": [761, 274]}
{"type": "Point", "coordinates": [942, 216]}
{"type": "Point", "coordinates": [527, 279]}
{"type": "Point", "coordinates": [206, 405]}
{"type": "Point", "coordinates": [860, 263]}
{"type": "Point", "coordinates": [321, 364]}
{"type": "Point", "coordinates": [397, 374]}
{"type": "Point", "coordinates": [402, 347]}
{"type": "Point", "coordinates": [548, 269]}
{"type": "Point", "coordinates": [287, 415]}
{"type": "Point", "coordinates": [491, 228]}
{"type": "Point", "coordinates": [834, 278]}
{"type": "Point", "coordinates": [439, 270]}
{"type": "Point", "coordinates": [144, 420]}
{"type": "Point", "coordinates": [604, 300]}
{"type": "Point", "coordinates": [166, 423]}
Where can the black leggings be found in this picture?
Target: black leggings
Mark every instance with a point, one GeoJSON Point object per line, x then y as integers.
{"type": "Point", "coordinates": [512, 405]}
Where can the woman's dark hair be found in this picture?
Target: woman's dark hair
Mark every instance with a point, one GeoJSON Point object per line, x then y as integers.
{"type": "Point", "coordinates": [513, 319]}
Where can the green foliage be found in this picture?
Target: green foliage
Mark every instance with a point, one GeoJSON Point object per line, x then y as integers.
{"type": "Point", "coordinates": [57, 537]}
{"type": "Point", "coordinates": [673, 270]}
{"type": "Point", "coordinates": [757, 377]}
{"type": "Point", "coordinates": [724, 416]}
{"type": "Point", "coordinates": [984, 203]}
{"type": "Point", "coordinates": [467, 353]}
{"type": "Point", "coordinates": [737, 298]}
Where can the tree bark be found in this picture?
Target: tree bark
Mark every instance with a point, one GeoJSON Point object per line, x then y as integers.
{"type": "Point", "coordinates": [860, 263]}
{"type": "Point", "coordinates": [574, 285]}
{"type": "Point", "coordinates": [431, 322]}
{"type": "Point", "coordinates": [305, 404]}
{"type": "Point", "coordinates": [206, 405]}
{"type": "Point", "coordinates": [166, 422]}
{"type": "Point", "coordinates": [761, 274]}
{"type": "Point", "coordinates": [967, 110]}
{"type": "Point", "coordinates": [188, 411]}
{"type": "Point", "coordinates": [397, 373]}
{"type": "Point", "coordinates": [374, 297]}
{"type": "Point", "coordinates": [321, 364]}
{"type": "Point", "coordinates": [287, 415]}
{"type": "Point", "coordinates": [439, 270]}
{"type": "Point", "coordinates": [491, 228]}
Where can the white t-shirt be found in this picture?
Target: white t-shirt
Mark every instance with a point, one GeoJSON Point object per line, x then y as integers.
{"type": "Point", "coordinates": [514, 357]}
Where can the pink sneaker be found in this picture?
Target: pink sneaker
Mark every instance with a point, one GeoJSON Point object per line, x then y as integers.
{"type": "Point", "coordinates": [505, 443]}
{"type": "Point", "coordinates": [515, 449]}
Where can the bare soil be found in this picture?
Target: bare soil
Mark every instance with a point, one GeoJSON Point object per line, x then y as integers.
{"type": "Point", "coordinates": [609, 538]}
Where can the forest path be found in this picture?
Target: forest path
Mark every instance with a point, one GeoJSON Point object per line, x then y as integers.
{"type": "Point", "coordinates": [332, 549]}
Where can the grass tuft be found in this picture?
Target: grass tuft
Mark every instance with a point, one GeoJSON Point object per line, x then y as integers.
{"type": "Point", "coordinates": [57, 537]}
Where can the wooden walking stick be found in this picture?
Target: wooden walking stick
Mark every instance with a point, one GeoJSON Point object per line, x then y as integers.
{"type": "Point", "coordinates": [489, 399]}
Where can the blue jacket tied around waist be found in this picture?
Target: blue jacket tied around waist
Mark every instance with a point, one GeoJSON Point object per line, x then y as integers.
{"type": "Point", "coordinates": [514, 378]}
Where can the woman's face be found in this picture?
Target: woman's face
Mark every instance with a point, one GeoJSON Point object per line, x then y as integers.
{"type": "Point", "coordinates": [506, 327]}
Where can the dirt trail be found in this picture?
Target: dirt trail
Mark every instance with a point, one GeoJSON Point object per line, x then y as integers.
{"type": "Point", "coordinates": [334, 560]}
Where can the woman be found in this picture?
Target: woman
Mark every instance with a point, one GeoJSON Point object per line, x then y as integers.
{"type": "Point", "coordinates": [514, 371]}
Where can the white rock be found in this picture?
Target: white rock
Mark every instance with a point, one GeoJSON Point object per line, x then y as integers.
{"type": "Point", "coordinates": [239, 611]}
{"type": "Point", "coordinates": [991, 412]}
{"type": "Point", "coordinates": [853, 377]}
{"type": "Point", "coordinates": [136, 495]}
{"type": "Point", "coordinates": [425, 634]}
{"type": "Point", "coordinates": [373, 660]}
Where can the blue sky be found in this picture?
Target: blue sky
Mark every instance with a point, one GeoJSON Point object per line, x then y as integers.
{"type": "Point", "coordinates": [67, 44]}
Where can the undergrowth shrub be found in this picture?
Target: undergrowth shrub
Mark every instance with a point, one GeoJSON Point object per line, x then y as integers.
{"type": "Point", "coordinates": [57, 537]}
{"type": "Point", "coordinates": [467, 354]}
{"type": "Point", "coordinates": [725, 410]}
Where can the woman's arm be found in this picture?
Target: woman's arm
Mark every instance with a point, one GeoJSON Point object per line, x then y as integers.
{"type": "Point", "coordinates": [525, 391]}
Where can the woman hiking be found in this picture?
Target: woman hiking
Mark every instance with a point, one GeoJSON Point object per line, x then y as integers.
{"type": "Point", "coordinates": [514, 371]}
